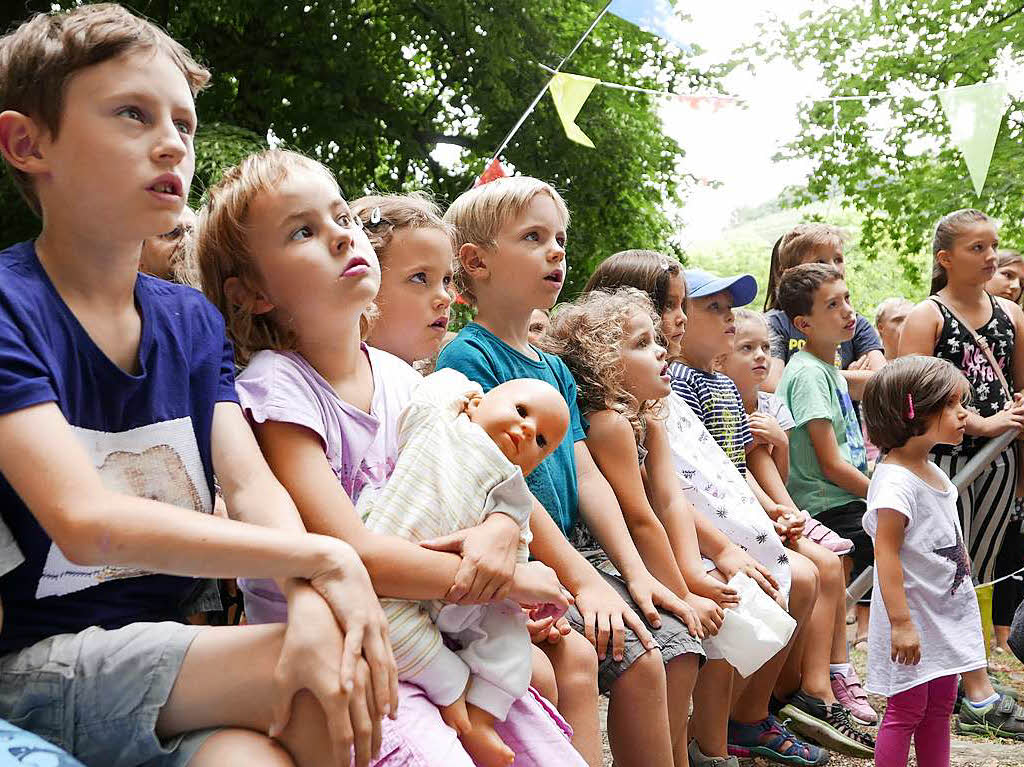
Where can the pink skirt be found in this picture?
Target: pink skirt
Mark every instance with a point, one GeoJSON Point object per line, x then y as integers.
{"type": "Point", "coordinates": [420, 738]}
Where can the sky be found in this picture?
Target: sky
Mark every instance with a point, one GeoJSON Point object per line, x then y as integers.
{"type": "Point", "coordinates": [735, 145]}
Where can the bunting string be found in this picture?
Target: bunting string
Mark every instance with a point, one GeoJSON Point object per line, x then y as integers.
{"type": "Point", "coordinates": [974, 112]}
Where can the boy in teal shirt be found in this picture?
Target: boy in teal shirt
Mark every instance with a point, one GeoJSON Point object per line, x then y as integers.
{"type": "Point", "coordinates": [510, 241]}
{"type": "Point", "coordinates": [828, 463]}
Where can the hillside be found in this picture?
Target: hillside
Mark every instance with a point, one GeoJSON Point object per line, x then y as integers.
{"type": "Point", "coordinates": [746, 248]}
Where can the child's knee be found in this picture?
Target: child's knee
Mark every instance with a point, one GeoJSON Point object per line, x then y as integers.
{"type": "Point", "coordinates": [543, 677]}
{"type": "Point", "coordinates": [577, 661]}
{"type": "Point", "coordinates": [830, 569]}
{"type": "Point", "coordinates": [238, 746]}
{"type": "Point", "coordinates": [646, 672]}
{"type": "Point", "coordinates": [804, 583]}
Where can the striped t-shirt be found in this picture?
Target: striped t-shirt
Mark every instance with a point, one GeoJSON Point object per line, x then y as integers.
{"type": "Point", "coordinates": [716, 401]}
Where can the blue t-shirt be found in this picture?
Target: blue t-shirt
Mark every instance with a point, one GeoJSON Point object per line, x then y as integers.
{"type": "Point", "coordinates": [147, 434]}
{"type": "Point", "coordinates": [483, 357]}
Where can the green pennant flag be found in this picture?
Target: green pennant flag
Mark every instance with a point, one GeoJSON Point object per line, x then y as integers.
{"type": "Point", "coordinates": [975, 113]}
{"type": "Point", "coordinates": [570, 93]}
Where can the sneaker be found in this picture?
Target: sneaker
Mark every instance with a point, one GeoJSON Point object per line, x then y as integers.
{"type": "Point", "coordinates": [1003, 718]}
{"type": "Point", "coordinates": [828, 725]}
{"type": "Point", "coordinates": [961, 696]}
{"type": "Point", "coordinates": [824, 536]}
{"type": "Point", "coordinates": [767, 739]}
{"type": "Point", "coordinates": [697, 759]}
{"type": "Point", "coordinates": [848, 691]}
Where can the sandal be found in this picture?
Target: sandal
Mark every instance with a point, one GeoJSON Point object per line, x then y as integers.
{"type": "Point", "coordinates": [767, 738]}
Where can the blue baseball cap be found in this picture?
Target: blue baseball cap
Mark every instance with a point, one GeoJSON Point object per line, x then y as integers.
{"type": "Point", "coordinates": [742, 287]}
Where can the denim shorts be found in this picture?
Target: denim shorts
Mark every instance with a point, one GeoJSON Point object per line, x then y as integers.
{"type": "Point", "coordinates": [97, 694]}
{"type": "Point", "coordinates": [673, 638]}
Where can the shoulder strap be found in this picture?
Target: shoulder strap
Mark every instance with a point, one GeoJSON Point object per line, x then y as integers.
{"type": "Point", "coordinates": [980, 342]}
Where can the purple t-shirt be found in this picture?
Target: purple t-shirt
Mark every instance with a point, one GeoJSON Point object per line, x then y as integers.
{"type": "Point", "coordinates": [360, 447]}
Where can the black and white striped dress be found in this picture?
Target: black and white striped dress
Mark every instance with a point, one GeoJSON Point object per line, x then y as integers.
{"type": "Point", "coordinates": [986, 506]}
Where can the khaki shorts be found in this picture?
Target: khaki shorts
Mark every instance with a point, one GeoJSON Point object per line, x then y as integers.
{"type": "Point", "coordinates": [97, 694]}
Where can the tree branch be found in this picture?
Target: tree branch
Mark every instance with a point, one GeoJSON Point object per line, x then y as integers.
{"type": "Point", "coordinates": [466, 142]}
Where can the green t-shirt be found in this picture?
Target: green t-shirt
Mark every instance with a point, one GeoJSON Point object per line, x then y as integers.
{"type": "Point", "coordinates": [483, 357]}
{"type": "Point", "coordinates": [814, 390]}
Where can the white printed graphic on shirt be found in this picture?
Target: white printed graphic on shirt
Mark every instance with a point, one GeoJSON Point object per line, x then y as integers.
{"type": "Point", "coordinates": [159, 461]}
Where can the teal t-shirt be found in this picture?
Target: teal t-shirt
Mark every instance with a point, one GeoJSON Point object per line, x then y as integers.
{"type": "Point", "coordinates": [815, 390]}
{"type": "Point", "coordinates": [483, 357]}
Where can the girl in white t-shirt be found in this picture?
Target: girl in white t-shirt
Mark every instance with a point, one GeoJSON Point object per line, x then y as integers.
{"type": "Point", "coordinates": [925, 624]}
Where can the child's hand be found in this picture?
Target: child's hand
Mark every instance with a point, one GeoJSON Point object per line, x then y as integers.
{"type": "Point", "coordinates": [722, 593]}
{"type": "Point", "coordinates": [606, 617]}
{"type": "Point", "coordinates": [766, 429]}
{"type": "Point", "coordinates": [735, 560]}
{"type": "Point", "coordinates": [345, 586]}
{"type": "Point", "coordinates": [488, 554]}
{"type": "Point", "coordinates": [708, 614]}
{"type": "Point", "coordinates": [536, 585]}
{"type": "Point", "coordinates": [790, 524]}
{"type": "Point", "coordinates": [650, 594]}
{"type": "Point", "coordinates": [906, 644]}
{"type": "Point", "coordinates": [550, 630]}
{"type": "Point", "coordinates": [312, 658]}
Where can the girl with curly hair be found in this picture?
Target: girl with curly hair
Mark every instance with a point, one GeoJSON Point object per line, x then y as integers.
{"type": "Point", "coordinates": [611, 344]}
{"type": "Point", "coordinates": [708, 480]}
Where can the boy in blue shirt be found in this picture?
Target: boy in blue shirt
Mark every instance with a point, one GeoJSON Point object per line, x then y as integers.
{"type": "Point", "coordinates": [117, 405]}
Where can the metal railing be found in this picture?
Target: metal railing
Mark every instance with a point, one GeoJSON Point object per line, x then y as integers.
{"type": "Point", "coordinates": [978, 463]}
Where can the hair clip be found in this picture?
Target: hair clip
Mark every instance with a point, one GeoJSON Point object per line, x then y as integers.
{"type": "Point", "coordinates": [666, 265]}
{"type": "Point", "coordinates": [375, 215]}
{"type": "Point", "coordinates": [910, 406]}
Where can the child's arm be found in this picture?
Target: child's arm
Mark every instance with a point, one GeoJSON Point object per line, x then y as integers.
{"type": "Point", "coordinates": [93, 525]}
{"type": "Point", "coordinates": [398, 568]}
{"type": "Point", "coordinates": [833, 467]}
{"type": "Point", "coordinates": [600, 510]}
{"type": "Point", "coordinates": [775, 368]}
{"type": "Point", "coordinates": [677, 514]}
{"type": "Point", "coordinates": [605, 614]}
{"type": "Point", "coordinates": [766, 430]}
{"type": "Point", "coordinates": [906, 644]}
{"type": "Point", "coordinates": [615, 454]}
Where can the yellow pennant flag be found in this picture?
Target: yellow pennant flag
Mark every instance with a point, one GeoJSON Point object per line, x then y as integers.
{"type": "Point", "coordinates": [975, 113]}
{"type": "Point", "coordinates": [570, 93]}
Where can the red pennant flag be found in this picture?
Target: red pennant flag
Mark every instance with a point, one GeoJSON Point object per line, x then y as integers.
{"type": "Point", "coordinates": [493, 171]}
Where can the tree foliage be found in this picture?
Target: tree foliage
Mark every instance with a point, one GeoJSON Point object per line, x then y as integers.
{"type": "Point", "coordinates": [893, 158]}
{"type": "Point", "coordinates": [371, 87]}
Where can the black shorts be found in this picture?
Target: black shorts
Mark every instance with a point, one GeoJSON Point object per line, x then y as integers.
{"type": "Point", "coordinates": [846, 520]}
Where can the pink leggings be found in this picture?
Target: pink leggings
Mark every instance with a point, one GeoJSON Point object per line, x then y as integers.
{"type": "Point", "coordinates": [922, 712]}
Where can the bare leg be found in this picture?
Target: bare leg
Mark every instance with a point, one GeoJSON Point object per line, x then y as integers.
{"type": "Point", "coordinates": [1002, 636]}
{"type": "Point", "coordinates": [680, 674]}
{"type": "Point", "coordinates": [814, 660]}
{"type": "Point", "coordinates": [483, 743]}
{"type": "Point", "coordinates": [752, 705]}
{"type": "Point", "coordinates": [227, 681]}
{"type": "Point", "coordinates": [977, 685]}
{"type": "Point", "coordinates": [638, 727]}
{"type": "Point", "coordinates": [574, 661]}
{"type": "Point", "coordinates": [863, 613]}
{"type": "Point", "coordinates": [543, 677]}
{"type": "Point", "coordinates": [234, 746]}
{"type": "Point", "coordinates": [711, 701]}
